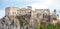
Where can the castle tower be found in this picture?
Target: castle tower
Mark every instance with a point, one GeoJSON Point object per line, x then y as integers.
{"type": "Point", "coordinates": [54, 14]}
{"type": "Point", "coordinates": [54, 17]}
{"type": "Point", "coordinates": [30, 10]}
{"type": "Point", "coordinates": [54, 10]}
{"type": "Point", "coordinates": [30, 7]}
{"type": "Point", "coordinates": [46, 13]}
{"type": "Point", "coordinates": [11, 11]}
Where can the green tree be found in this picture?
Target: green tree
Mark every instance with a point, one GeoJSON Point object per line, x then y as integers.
{"type": "Point", "coordinates": [23, 21]}
{"type": "Point", "coordinates": [49, 26]}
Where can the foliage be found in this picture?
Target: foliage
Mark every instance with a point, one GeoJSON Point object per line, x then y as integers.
{"type": "Point", "coordinates": [23, 21]}
{"type": "Point", "coordinates": [49, 26]}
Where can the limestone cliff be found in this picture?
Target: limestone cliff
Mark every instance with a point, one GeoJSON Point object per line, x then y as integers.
{"type": "Point", "coordinates": [8, 22]}
{"type": "Point", "coordinates": [14, 22]}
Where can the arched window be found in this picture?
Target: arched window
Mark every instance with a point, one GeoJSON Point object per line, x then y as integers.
{"type": "Point", "coordinates": [38, 14]}
{"type": "Point", "coordinates": [45, 15]}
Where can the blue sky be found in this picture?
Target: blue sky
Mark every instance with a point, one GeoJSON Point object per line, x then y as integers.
{"type": "Point", "coordinates": [42, 4]}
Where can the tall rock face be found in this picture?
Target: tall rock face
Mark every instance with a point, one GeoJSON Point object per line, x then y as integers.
{"type": "Point", "coordinates": [15, 22]}
{"type": "Point", "coordinates": [9, 23]}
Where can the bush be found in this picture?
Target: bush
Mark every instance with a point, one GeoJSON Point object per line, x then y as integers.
{"type": "Point", "coordinates": [49, 26]}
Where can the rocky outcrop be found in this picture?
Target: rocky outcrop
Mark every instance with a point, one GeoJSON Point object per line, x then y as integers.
{"type": "Point", "coordinates": [8, 23]}
{"type": "Point", "coordinates": [15, 22]}
{"type": "Point", "coordinates": [18, 22]}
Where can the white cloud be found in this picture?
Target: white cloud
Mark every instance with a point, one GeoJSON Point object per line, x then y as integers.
{"type": "Point", "coordinates": [46, 4]}
{"type": "Point", "coordinates": [42, 5]}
